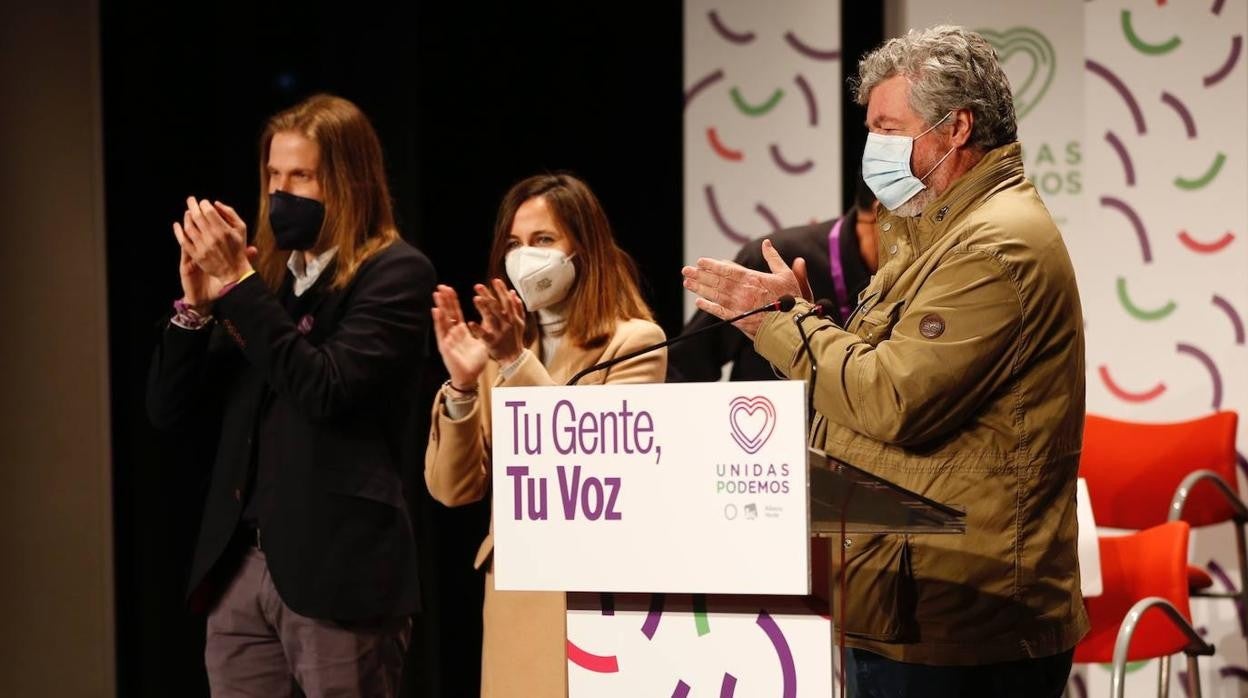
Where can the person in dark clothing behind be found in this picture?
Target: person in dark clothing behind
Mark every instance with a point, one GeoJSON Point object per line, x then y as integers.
{"type": "Point", "coordinates": [839, 280]}
{"type": "Point", "coordinates": [306, 561]}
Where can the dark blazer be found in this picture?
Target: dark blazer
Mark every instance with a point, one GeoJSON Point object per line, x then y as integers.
{"type": "Point", "coordinates": [337, 388]}
{"type": "Point", "coordinates": [702, 358]}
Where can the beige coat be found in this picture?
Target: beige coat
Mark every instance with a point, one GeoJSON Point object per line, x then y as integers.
{"type": "Point", "coordinates": [525, 634]}
{"type": "Point", "coordinates": [961, 377]}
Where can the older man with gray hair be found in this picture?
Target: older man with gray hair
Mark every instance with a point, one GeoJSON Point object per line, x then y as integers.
{"type": "Point", "coordinates": [959, 376]}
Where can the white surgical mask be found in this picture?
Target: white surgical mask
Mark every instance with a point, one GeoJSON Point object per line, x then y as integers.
{"type": "Point", "coordinates": [541, 275]}
{"type": "Point", "coordinates": [886, 167]}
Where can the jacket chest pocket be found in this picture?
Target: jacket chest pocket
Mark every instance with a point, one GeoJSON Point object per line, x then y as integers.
{"type": "Point", "coordinates": [877, 324]}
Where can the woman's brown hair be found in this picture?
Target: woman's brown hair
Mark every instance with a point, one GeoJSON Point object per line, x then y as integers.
{"type": "Point", "coordinates": [605, 289]}
{"type": "Point", "coordinates": [358, 218]}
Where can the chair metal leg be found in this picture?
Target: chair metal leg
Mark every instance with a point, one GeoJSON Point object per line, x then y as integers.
{"type": "Point", "coordinates": [1193, 677]}
{"type": "Point", "coordinates": [1242, 598]}
{"type": "Point", "coordinates": [1163, 678]}
{"type": "Point", "coordinates": [1196, 645]}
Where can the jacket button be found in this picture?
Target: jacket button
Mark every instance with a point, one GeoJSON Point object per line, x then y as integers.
{"type": "Point", "coordinates": [886, 227]}
{"type": "Point", "coordinates": [892, 249]}
{"type": "Point", "coordinates": [238, 495]}
{"type": "Point", "coordinates": [847, 543]}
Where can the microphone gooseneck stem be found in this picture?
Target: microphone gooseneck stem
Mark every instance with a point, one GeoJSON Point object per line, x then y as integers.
{"type": "Point", "coordinates": [784, 304]}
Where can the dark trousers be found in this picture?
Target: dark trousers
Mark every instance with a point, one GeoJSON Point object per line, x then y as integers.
{"type": "Point", "coordinates": [259, 648]}
{"type": "Point", "coordinates": [868, 675]}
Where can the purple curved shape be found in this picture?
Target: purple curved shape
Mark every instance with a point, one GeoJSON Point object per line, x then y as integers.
{"type": "Point", "coordinates": [1238, 672]}
{"type": "Point", "coordinates": [1236, 321]}
{"type": "Point", "coordinates": [1212, 368]}
{"type": "Point", "coordinates": [814, 53]}
{"type": "Point", "coordinates": [718, 217]}
{"type": "Point", "coordinates": [1188, 123]}
{"type": "Point", "coordinates": [653, 616]}
{"type": "Point", "coordinates": [1216, 571]}
{"type": "Point", "coordinates": [1123, 156]}
{"type": "Point", "coordinates": [1242, 462]}
{"type": "Point", "coordinates": [681, 690]}
{"type": "Point", "coordinates": [1237, 46]}
{"type": "Point", "coordinates": [1081, 688]}
{"type": "Point", "coordinates": [812, 108]}
{"type": "Point", "coordinates": [799, 168]}
{"type": "Point", "coordinates": [788, 671]}
{"type": "Point", "coordinates": [1122, 90]}
{"type": "Point", "coordinates": [1220, 574]}
{"type": "Point", "coordinates": [1140, 233]}
{"type": "Point", "coordinates": [608, 603]}
{"type": "Point", "coordinates": [710, 79]}
{"type": "Point", "coordinates": [728, 35]}
{"type": "Point", "coordinates": [1217, 6]}
{"type": "Point", "coordinates": [729, 687]}
{"type": "Point", "coordinates": [769, 217]}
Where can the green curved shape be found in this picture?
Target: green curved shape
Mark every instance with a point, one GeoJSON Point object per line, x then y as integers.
{"type": "Point", "coordinates": [1036, 58]}
{"type": "Point", "coordinates": [1129, 667]}
{"type": "Point", "coordinates": [1143, 46]}
{"type": "Point", "coordinates": [1201, 181]}
{"type": "Point", "coordinates": [752, 110]}
{"type": "Point", "coordinates": [699, 615]}
{"type": "Point", "coordinates": [1140, 313]}
{"type": "Point", "coordinates": [1043, 62]}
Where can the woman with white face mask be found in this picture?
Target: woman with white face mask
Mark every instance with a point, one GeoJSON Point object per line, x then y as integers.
{"type": "Point", "coordinates": [572, 301]}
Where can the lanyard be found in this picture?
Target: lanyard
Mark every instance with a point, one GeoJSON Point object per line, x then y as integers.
{"type": "Point", "coordinates": [838, 270]}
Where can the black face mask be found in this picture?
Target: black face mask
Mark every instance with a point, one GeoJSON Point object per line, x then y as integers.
{"type": "Point", "coordinates": [296, 220]}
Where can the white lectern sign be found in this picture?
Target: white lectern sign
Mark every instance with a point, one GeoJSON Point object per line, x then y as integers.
{"type": "Point", "coordinates": [691, 487]}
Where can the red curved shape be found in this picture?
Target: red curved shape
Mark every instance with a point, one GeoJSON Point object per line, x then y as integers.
{"type": "Point", "coordinates": [1150, 394]}
{"type": "Point", "coordinates": [720, 149]}
{"type": "Point", "coordinates": [593, 662]}
{"type": "Point", "coordinates": [1195, 245]}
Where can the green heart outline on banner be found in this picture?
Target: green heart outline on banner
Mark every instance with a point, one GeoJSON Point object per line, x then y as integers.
{"type": "Point", "coordinates": [1034, 44]}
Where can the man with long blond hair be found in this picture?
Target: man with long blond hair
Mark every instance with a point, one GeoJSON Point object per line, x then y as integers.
{"type": "Point", "coordinates": [308, 348]}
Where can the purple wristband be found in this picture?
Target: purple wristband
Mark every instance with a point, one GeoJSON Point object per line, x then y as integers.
{"type": "Point", "coordinates": [187, 317]}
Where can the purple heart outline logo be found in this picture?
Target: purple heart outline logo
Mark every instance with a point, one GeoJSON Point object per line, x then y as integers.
{"type": "Point", "coordinates": [752, 420]}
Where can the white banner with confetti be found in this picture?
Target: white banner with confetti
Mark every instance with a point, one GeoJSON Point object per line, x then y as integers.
{"type": "Point", "coordinates": [625, 646]}
{"type": "Point", "coordinates": [763, 90]}
{"type": "Point", "coordinates": [1163, 263]}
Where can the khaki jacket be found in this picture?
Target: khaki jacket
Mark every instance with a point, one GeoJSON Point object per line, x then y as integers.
{"type": "Point", "coordinates": [960, 377]}
{"type": "Point", "coordinates": [523, 648]}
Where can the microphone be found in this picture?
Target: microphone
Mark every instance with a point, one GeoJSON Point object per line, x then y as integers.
{"type": "Point", "coordinates": [823, 308]}
{"type": "Point", "coordinates": [784, 304]}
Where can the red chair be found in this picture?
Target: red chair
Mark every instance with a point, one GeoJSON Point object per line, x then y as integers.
{"type": "Point", "coordinates": [1143, 571]}
{"type": "Point", "coordinates": [1140, 475]}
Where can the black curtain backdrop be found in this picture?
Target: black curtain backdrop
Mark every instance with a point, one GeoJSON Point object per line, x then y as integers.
{"type": "Point", "coordinates": [467, 98]}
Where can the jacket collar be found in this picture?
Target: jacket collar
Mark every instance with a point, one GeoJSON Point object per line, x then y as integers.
{"type": "Point", "coordinates": [1000, 166]}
